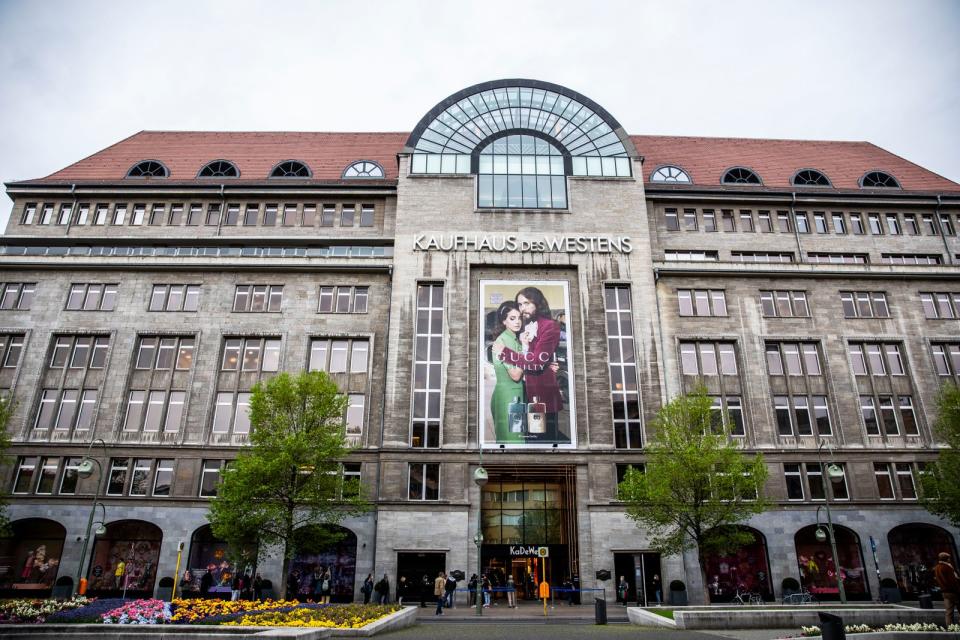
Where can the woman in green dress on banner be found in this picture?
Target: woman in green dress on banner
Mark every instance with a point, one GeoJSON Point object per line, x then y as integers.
{"type": "Point", "coordinates": [509, 387]}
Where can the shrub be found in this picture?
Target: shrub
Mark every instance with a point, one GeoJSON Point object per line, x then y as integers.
{"type": "Point", "coordinates": [677, 585]}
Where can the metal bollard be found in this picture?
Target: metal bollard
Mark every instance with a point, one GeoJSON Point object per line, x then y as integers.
{"type": "Point", "coordinates": [600, 611]}
{"type": "Point", "coordinates": [925, 601]}
{"type": "Point", "coordinates": [831, 626]}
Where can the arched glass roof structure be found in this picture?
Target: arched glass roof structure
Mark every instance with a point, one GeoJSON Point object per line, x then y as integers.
{"type": "Point", "coordinates": [448, 138]}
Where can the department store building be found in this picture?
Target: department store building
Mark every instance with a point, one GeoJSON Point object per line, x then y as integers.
{"type": "Point", "coordinates": [518, 279]}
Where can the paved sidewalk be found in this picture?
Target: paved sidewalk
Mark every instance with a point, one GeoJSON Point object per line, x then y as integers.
{"type": "Point", "coordinates": [525, 611]}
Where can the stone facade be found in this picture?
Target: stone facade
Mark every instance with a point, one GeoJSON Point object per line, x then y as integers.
{"type": "Point", "coordinates": [443, 205]}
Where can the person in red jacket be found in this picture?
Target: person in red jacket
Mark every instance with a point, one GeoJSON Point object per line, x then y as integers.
{"type": "Point", "coordinates": [540, 337]}
{"type": "Point", "coordinates": [946, 578]}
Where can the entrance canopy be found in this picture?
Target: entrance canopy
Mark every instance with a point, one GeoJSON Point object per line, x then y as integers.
{"type": "Point", "coordinates": [449, 138]}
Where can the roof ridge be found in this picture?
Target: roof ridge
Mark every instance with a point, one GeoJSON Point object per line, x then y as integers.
{"type": "Point", "coordinates": [651, 135]}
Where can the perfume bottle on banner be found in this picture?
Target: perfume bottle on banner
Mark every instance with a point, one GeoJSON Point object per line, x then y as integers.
{"type": "Point", "coordinates": [537, 416]}
{"type": "Point", "coordinates": [517, 415]}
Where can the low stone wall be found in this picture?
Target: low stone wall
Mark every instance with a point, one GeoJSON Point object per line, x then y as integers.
{"type": "Point", "coordinates": [406, 617]}
{"type": "Point", "coordinates": [796, 617]}
{"type": "Point", "coordinates": [641, 617]}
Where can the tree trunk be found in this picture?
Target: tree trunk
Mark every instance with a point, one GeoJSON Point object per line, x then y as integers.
{"type": "Point", "coordinates": [282, 595]}
{"type": "Point", "coordinates": [702, 561]}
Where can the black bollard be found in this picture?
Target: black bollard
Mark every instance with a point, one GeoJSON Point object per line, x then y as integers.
{"type": "Point", "coordinates": [600, 611]}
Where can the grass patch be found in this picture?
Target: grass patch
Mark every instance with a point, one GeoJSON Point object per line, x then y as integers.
{"type": "Point", "coordinates": [663, 613]}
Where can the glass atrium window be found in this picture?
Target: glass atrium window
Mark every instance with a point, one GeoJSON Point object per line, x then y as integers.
{"type": "Point", "coordinates": [740, 175]}
{"type": "Point", "coordinates": [879, 180]}
{"type": "Point", "coordinates": [810, 178]}
{"type": "Point", "coordinates": [290, 169]}
{"type": "Point", "coordinates": [364, 169]}
{"type": "Point", "coordinates": [521, 171]}
{"type": "Point", "coordinates": [219, 169]}
{"type": "Point", "coordinates": [148, 169]}
{"type": "Point", "coordinates": [670, 173]}
{"type": "Point", "coordinates": [446, 143]}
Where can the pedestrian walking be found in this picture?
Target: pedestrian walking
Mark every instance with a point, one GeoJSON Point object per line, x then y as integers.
{"type": "Point", "coordinates": [384, 590]}
{"type": "Point", "coordinates": [402, 586]}
{"type": "Point", "coordinates": [623, 590]}
{"type": "Point", "coordinates": [487, 590]}
{"type": "Point", "coordinates": [657, 589]}
{"type": "Point", "coordinates": [949, 583]}
{"type": "Point", "coordinates": [472, 589]}
{"type": "Point", "coordinates": [438, 591]}
{"type": "Point", "coordinates": [449, 589]}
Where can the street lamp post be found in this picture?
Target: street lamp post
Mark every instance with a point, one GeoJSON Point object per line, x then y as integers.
{"type": "Point", "coordinates": [85, 470]}
{"type": "Point", "coordinates": [480, 478]}
{"type": "Point", "coordinates": [834, 474]}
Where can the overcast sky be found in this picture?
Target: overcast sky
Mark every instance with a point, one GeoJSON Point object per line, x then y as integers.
{"type": "Point", "coordinates": [79, 76]}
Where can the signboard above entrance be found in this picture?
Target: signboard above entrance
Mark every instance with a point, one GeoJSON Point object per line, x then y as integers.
{"type": "Point", "coordinates": [529, 551]}
{"type": "Point", "coordinates": [514, 243]}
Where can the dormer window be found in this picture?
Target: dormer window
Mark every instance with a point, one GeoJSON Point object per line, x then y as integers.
{"type": "Point", "coordinates": [219, 169]}
{"type": "Point", "coordinates": [878, 180]}
{"type": "Point", "coordinates": [290, 169]}
{"type": "Point", "coordinates": [670, 173]}
{"type": "Point", "coordinates": [363, 169]}
{"type": "Point", "coordinates": [810, 178]}
{"type": "Point", "coordinates": [740, 175]}
{"type": "Point", "coordinates": [148, 169]}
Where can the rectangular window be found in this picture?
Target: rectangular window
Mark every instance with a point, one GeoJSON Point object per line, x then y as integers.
{"type": "Point", "coordinates": [258, 354]}
{"type": "Point", "coordinates": [163, 477]}
{"type": "Point", "coordinates": [868, 410]}
{"type": "Point", "coordinates": [800, 219]}
{"type": "Point", "coordinates": [29, 211]}
{"type": "Point", "coordinates": [761, 256]}
{"type": "Point", "coordinates": [888, 416]}
{"type": "Point", "coordinates": [174, 297]}
{"type": "Point", "coordinates": [210, 478]}
{"type": "Point", "coordinates": [910, 224]}
{"type": "Point", "coordinates": [290, 215]}
{"type": "Point", "coordinates": [881, 471]}
{"type": "Point", "coordinates": [856, 224]}
{"type": "Point", "coordinates": [355, 413]}
{"type": "Point", "coordinates": [258, 298]}
{"type": "Point", "coordinates": [195, 216]}
{"type": "Point", "coordinates": [118, 476]}
{"type": "Point", "coordinates": [873, 220]}
{"type": "Point", "coordinates": [233, 215]}
{"type": "Point", "coordinates": [893, 224]}
{"type": "Point", "coordinates": [820, 222]}
{"type": "Point", "coordinates": [17, 295]}
{"type": "Point", "coordinates": [621, 361]}
{"type": "Point", "coordinates": [366, 215]}
{"type": "Point", "coordinates": [672, 255]}
{"type": "Point", "coordinates": [946, 359]}
{"type": "Point", "coordinates": [690, 219]}
{"type": "Point", "coordinates": [746, 221]}
{"type": "Point", "coordinates": [350, 479]}
{"type": "Point", "coordinates": [140, 480]}
{"type": "Point", "coordinates": [764, 222]}
{"type": "Point", "coordinates": [26, 472]}
{"type": "Point", "coordinates": [815, 481]}
{"type": "Point", "coordinates": [92, 297]}
{"type": "Point", "coordinates": [427, 366]}
{"type": "Point", "coordinates": [907, 416]}
{"type": "Point", "coordinates": [905, 481]}
{"type": "Point", "coordinates": [11, 347]}
{"type": "Point", "coordinates": [139, 212]}
{"type": "Point", "coordinates": [911, 258]}
{"type": "Point", "coordinates": [671, 220]}
{"type": "Point", "coordinates": [783, 222]}
{"type": "Point", "coordinates": [727, 221]}
{"type": "Point", "coordinates": [328, 215]}
{"type": "Point", "coordinates": [709, 220]}
{"type": "Point", "coordinates": [784, 304]}
{"type": "Point", "coordinates": [270, 215]}
{"type": "Point", "coordinates": [864, 304]}
{"type": "Point", "coordinates": [70, 476]}
{"type": "Point", "coordinates": [702, 302]}
{"type": "Point", "coordinates": [309, 215]}
{"type": "Point", "coordinates": [839, 227]}
{"type": "Point", "coordinates": [715, 358]}
{"type": "Point", "coordinates": [250, 214]}
{"type": "Point", "coordinates": [794, 481]}
{"type": "Point", "coordinates": [347, 214]}
{"type": "Point", "coordinates": [176, 215]}
{"type": "Point", "coordinates": [837, 258]}
{"type": "Point", "coordinates": [424, 481]}
{"type": "Point", "coordinates": [156, 215]}
{"type": "Point", "coordinates": [48, 475]}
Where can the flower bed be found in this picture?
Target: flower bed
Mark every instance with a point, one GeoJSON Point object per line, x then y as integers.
{"type": "Point", "coordinates": [90, 613]}
{"type": "Point", "coordinates": [862, 628]}
{"type": "Point", "coordinates": [139, 612]}
{"type": "Point", "coordinates": [197, 610]}
{"type": "Point", "coordinates": [22, 611]}
{"type": "Point", "coordinates": [347, 616]}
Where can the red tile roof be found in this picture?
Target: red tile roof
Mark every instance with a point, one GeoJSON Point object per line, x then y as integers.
{"type": "Point", "coordinates": [775, 161]}
{"type": "Point", "coordinates": [328, 154]}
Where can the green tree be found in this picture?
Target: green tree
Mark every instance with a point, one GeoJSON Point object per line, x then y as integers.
{"type": "Point", "coordinates": [289, 479]}
{"type": "Point", "coordinates": [941, 480]}
{"type": "Point", "coordinates": [7, 405]}
{"type": "Point", "coordinates": [696, 485]}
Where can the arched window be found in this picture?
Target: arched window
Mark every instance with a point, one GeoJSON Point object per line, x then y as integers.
{"type": "Point", "coordinates": [521, 171]}
{"type": "Point", "coordinates": [810, 178]}
{"type": "Point", "coordinates": [817, 571]}
{"type": "Point", "coordinates": [290, 169]}
{"type": "Point", "coordinates": [363, 169]}
{"type": "Point", "coordinates": [878, 180]}
{"type": "Point", "coordinates": [148, 169]}
{"type": "Point", "coordinates": [670, 173]}
{"type": "Point", "coordinates": [219, 169]}
{"type": "Point", "coordinates": [740, 175]}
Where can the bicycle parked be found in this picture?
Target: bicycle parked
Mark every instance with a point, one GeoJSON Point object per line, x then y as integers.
{"type": "Point", "coordinates": [800, 597]}
{"type": "Point", "coordinates": [747, 597]}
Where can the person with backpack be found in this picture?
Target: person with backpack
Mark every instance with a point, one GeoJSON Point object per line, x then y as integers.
{"type": "Point", "coordinates": [449, 589]}
{"type": "Point", "coordinates": [326, 586]}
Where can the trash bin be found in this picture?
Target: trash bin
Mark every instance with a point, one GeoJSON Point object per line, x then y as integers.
{"type": "Point", "coordinates": [600, 611]}
{"type": "Point", "coordinates": [926, 601]}
{"type": "Point", "coordinates": [576, 593]}
{"type": "Point", "coordinates": [831, 626]}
